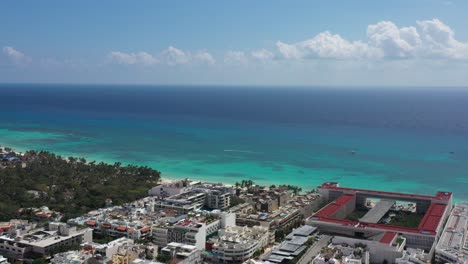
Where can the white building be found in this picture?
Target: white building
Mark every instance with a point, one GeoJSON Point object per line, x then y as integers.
{"type": "Point", "coordinates": [42, 242]}
{"type": "Point", "coordinates": [111, 248]}
{"type": "Point", "coordinates": [192, 230]}
{"type": "Point", "coordinates": [182, 253]}
{"type": "Point", "coordinates": [70, 257]}
{"type": "Point", "coordinates": [237, 244]}
{"type": "Point", "coordinates": [453, 243]}
{"type": "Point", "coordinates": [170, 189]}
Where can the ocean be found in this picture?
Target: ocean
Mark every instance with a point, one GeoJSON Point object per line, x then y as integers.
{"type": "Point", "coordinates": [394, 139]}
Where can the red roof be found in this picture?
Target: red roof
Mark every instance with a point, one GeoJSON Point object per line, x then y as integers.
{"type": "Point", "coordinates": [122, 228]}
{"type": "Point", "coordinates": [432, 218]}
{"type": "Point", "coordinates": [388, 237]}
{"type": "Point", "coordinates": [334, 206]}
{"type": "Point", "coordinates": [91, 223]}
{"type": "Point", "coordinates": [439, 195]}
{"type": "Point", "coordinates": [145, 229]}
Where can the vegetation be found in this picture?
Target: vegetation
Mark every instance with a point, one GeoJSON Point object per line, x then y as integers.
{"type": "Point", "coordinates": [102, 239]}
{"type": "Point", "coordinates": [295, 189]}
{"type": "Point", "coordinates": [235, 200]}
{"type": "Point", "coordinates": [244, 183]}
{"type": "Point", "coordinates": [406, 219]}
{"type": "Point", "coordinates": [73, 187]}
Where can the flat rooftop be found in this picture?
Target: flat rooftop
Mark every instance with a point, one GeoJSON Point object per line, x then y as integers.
{"type": "Point", "coordinates": [454, 238]}
{"type": "Point", "coordinates": [377, 212]}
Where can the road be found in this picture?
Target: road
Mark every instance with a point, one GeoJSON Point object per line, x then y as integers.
{"type": "Point", "coordinates": [315, 249]}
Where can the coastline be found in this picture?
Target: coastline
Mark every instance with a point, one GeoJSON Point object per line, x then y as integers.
{"type": "Point", "coordinates": [168, 177]}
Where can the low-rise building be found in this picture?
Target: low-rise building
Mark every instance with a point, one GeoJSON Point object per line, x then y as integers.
{"type": "Point", "coordinates": [182, 253]}
{"type": "Point", "coordinates": [16, 244]}
{"type": "Point", "coordinates": [71, 257]}
{"type": "Point", "coordinates": [191, 229]}
{"type": "Point", "coordinates": [170, 189]}
{"type": "Point", "coordinates": [236, 244]}
{"type": "Point", "coordinates": [295, 243]}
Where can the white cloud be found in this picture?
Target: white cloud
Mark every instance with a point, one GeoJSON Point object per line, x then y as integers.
{"type": "Point", "coordinates": [262, 55]}
{"type": "Point", "coordinates": [205, 57]}
{"type": "Point", "coordinates": [394, 42]}
{"type": "Point", "coordinates": [15, 56]}
{"type": "Point", "coordinates": [174, 56]}
{"type": "Point", "coordinates": [328, 46]}
{"type": "Point", "coordinates": [385, 40]}
{"type": "Point", "coordinates": [439, 40]}
{"type": "Point", "coordinates": [235, 57]}
{"type": "Point", "coordinates": [141, 57]}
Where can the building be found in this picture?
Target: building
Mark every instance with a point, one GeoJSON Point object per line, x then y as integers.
{"type": "Point", "coordinates": [191, 229]}
{"type": "Point", "coordinates": [294, 244]}
{"type": "Point", "coordinates": [453, 243]}
{"type": "Point", "coordinates": [217, 199]}
{"type": "Point", "coordinates": [342, 202]}
{"type": "Point", "coordinates": [170, 189]}
{"type": "Point", "coordinates": [108, 249]}
{"type": "Point", "coordinates": [182, 203]}
{"type": "Point", "coordinates": [20, 244]}
{"type": "Point", "coordinates": [182, 253]}
{"type": "Point", "coordinates": [343, 254]}
{"type": "Point", "coordinates": [236, 244]}
{"type": "Point", "coordinates": [3, 260]}
{"type": "Point", "coordinates": [381, 249]}
{"type": "Point", "coordinates": [413, 256]}
{"type": "Point", "coordinates": [71, 257]}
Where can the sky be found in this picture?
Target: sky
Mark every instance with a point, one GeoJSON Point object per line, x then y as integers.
{"type": "Point", "coordinates": [286, 43]}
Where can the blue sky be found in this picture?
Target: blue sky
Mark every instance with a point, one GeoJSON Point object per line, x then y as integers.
{"type": "Point", "coordinates": [372, 43]}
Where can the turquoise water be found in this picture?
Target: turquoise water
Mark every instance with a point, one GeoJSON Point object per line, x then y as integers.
{"type": "Point", "coordinates": [231, 143]}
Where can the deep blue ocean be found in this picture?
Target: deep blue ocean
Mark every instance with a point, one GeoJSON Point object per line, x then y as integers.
{"type": "Point", "coordinates": [409, 140]}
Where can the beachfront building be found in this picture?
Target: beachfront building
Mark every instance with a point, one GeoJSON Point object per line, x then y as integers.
{"type": "Point", "coordinates": [211, 196]}
{"type": "Point", "coordinates": [453, 243]}
{"type": "Point", "coordinates": [236, 244]}
{"type": "Point", "coordinates": [182, 253]}
{"type": "Point", "coordinates": [20, 244]}
{"type": "Point", "coordinates": [170, 189]}
{"type": "Point", "coordinates": [426, 213]}
{"type": "Point", "coordinates": [182, 203]}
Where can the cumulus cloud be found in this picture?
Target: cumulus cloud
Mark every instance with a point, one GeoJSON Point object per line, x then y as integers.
{"type": "Point", "coordinates": [394, 42]}
{"type": "Point", "coordinates": [15, 56]}
{"type": "Point", "coordinates": [141, 57]}
{"type": "Point", "coordinates": [439, 40]}
{"type": "Point", "coordinates": [385, 40]}
{"type": "Point", "coordinates": [174, 56]}
{"type": "Point", "coordinates": [262, 55]}
{"type": "Point", "coordinates": [326, 45]}
{"type": "Point", "coordinates": [205, 57]}
{"type": "Point", "coordinates": [235, 57]}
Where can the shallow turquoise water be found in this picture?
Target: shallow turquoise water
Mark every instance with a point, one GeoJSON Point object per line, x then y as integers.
{"type": "Point", "coordinates": [223, 149]}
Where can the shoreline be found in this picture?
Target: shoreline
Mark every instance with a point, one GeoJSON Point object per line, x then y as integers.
{"type": "Point", "coordinates": [168, 177]}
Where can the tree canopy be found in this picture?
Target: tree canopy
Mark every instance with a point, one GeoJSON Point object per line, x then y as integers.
{"type": "Point", "coordinates": [72, 186]}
